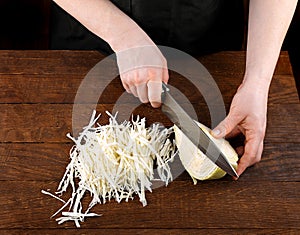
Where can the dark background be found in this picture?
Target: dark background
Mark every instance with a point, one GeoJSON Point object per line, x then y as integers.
{"type": "Point", "coordinates": [26, 25]}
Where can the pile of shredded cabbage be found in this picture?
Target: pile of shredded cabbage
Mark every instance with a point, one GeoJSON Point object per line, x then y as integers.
{"type": "Point", "coordinates": [114, 161]}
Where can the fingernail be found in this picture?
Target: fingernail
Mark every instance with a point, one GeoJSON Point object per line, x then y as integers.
{"type": "Point", "coordinates": [235, 178]}
{"type": "Point", "coordinates": [216, 132]}
{"type": "Point", "coordinates": [155, 104]}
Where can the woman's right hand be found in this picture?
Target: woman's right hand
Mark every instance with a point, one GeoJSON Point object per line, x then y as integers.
{"type": "Point", "coordinates": [142, 71]}
{"type": "Point", "coordinates": [141, 64]}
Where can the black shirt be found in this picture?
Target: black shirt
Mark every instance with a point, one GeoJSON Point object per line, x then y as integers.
{"type": "Point", "coordinates": [194, 26]}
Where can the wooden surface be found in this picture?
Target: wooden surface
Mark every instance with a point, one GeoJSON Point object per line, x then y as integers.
{"type": "Point", "coordinates": [36, 100]}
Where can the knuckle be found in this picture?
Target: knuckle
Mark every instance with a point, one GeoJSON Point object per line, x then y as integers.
{"type": "Point", "coordinates": [152, 73]}
{"type": "Point", "coordinates": [144, 100]}
{"type": "Point", "coordinates": [253, 158]}
{"type": "Point", "coordinates": [130, 82]}
{"type": "Point", "coordinates": [139, 79]}
{"type": "Point", "coordinates": [130, 86]}
{"type": "Point", "coordinates": [260, 132]}
{"type": "Point", "coordinates": [249, 154]}
{"type": "Point", "coordinates": [123, 77]}
{"type": "Point", "coordinates": [227, 126]}
{"type": "Point", "coordinates": [257, 159]}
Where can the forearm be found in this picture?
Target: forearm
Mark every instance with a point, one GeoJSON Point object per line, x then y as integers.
{"type": "Point", "coordinates": [268, 24]}
{"type": "Point", "coordinates": [105, 20]}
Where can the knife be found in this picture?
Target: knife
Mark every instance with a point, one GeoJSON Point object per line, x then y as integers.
{"type": "Point", "coordinates": [188, 126]}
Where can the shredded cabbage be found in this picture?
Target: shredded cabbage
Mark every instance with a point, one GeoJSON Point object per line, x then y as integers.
{"type": "Point", "coordinates": [114, 161]}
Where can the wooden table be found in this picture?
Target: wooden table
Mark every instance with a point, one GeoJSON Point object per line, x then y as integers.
{"type": "Point", "coordinates": [36, 100]}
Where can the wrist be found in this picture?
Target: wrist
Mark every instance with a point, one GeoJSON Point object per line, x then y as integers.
{"type": "Point", "coordinates": [257, 85]}
{"type": "Point", "coordinates": [260, 81]}
{"type": "Point", "coordinates": [130, 37]}
{"type": "Point", "coordinates": [259, 72]}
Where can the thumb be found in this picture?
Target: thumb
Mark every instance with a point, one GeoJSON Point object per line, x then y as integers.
{"type": "Point", "coordinates": [224, 127]}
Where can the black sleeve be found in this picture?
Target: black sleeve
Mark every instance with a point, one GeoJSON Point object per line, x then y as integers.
{"type": "Point", "coordinates": [194, 26]}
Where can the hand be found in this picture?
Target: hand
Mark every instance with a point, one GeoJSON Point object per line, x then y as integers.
{"type": "Point", "coordinates": [142, 71]}
{"type": "Point", "coordinates": [247, 115]}
{"type": "Point", "coordinates": [141, 64]}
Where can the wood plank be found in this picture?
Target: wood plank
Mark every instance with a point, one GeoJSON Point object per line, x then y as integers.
{"type": "Point", "coordinates": [48, 62]}
{"type": "Point", "coordinates": [283, 88]}
{"type": "Point", "coordinates": [234, 61]}
{"type": "Point", "coordinates": [33, 161]}
{"type": "Point", "coordinates": [49, 76]}
{"type": "Point", "coordinates": [51, 122]}
{"type": "Point", "coordinates": [60, 88]}
{"type": "Point", "coordinates": [169, 231]}
{"type": "Point", "coordinates": [27, 73]}
{"type": "Point", "coordinates": [44, 161]}
{"type": "Point", "coordinates": [211, 204]}
{"type": "Point", "coordinates": [71, 62]}
{"type": "Point", "coordinates": [38, 90]}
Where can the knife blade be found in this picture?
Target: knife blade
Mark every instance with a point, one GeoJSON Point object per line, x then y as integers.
{"type": "Point", "coordinates": [188, 126]}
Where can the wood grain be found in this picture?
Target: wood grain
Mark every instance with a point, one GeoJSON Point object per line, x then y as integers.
{"type": "Point", "coordinates": [234, 62]}
{"type": "Point", "coordinates": [170, 231]}
{"type": "Point", "coordinates": [51, 122]}
{"type": "Point", "coordinates": [38, 89]}
{"type": "Point", "coordinates": [56, 76]}
{"type": "Point", "coordinates": [24, 162]}
{"type": "Point", "coordinates": [211, 204]}
{"type": "Point", "coordinates": [62, 89]}
{"type": "Point", "coordinates": [16, 62]}
{"type": "Point", "coordinates": [52, 62]}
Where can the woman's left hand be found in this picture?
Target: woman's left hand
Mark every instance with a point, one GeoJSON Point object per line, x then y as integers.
{"type": "Point", "coordinates": [247, 115]}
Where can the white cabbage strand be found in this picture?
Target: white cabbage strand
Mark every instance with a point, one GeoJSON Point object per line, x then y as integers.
{"type": "Point", "coordinates": [114, 161]}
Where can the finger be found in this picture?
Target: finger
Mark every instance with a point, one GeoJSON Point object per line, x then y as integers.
{"type": "Point", "coordinates": [226, 126]}
{"type": "Point", "coordinates": [124, 82]}
{"type": "Point", "coordinates": [259, 152]}
{"type": "Point", "coordinates": [131, 78]}
{"type": "Point", "coordinates": [126, 87]}
{"type": "Point", "coordinates": [133, 90]}
{"type": "Point", "coordinates": [240, 150]}
{"type": "Point", "coordinates": [250, 155]}
{"type": "Point", "coordinates": [165, 75]}
{"type": "Point", "coordinates": [154, 93]}
{"type": "Point", "coordinates": [141, 85]}
{"type": "Point", "coordinates": [142, 92]}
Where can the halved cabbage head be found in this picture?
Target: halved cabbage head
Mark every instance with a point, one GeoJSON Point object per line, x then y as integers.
{"type": "Point", "coordinates": [195, 161]}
